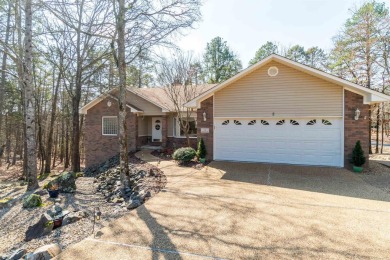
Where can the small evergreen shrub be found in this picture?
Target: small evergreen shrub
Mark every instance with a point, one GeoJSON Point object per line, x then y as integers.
{"type": "Point", "coordinates": [184, 155]}
{"type": "Point", "coordinates": [201, 152]}
{"type": "Point", "coordinates": [358, 158]}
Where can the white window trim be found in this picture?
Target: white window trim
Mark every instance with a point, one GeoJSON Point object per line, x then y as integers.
{"type": "Point", "coordinates": [103, 117]}
{"type": "Point", "coordinates": [176, 128]}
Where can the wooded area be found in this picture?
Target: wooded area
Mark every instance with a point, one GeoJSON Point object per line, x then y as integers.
{"type": "Point", "coordinates": [58, 55]}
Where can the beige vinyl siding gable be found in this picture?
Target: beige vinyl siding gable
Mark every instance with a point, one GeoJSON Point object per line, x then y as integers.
{"type": "Point", "coordinates": [291, 93]}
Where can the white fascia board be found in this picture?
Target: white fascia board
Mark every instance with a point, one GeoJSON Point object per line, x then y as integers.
{"type": "Point", "coordinates": [372, 99]}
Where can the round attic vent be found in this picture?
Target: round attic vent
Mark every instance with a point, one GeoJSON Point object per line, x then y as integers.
{"type": "Point", "coordinates": [273, 71]}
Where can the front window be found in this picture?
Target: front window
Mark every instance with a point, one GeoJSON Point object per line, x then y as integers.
{"type": "Point", "coordinates": [110, 125]}
{"type": "Point", "coordinates": [179, 129]}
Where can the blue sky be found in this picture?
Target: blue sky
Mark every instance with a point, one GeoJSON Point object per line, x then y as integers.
{"type": "Point", "coordinates": [247, 24]}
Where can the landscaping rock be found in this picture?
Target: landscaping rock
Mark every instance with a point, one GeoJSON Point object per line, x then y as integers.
{"type": "Point", "coordinates": [74, 217]}
{"type": "Point", "coordinates": [45, 252]}
{"type": "Point", "coordinates": [66, 182]}
{"type": "Point", "coordinates": [17, 254]}
{"type": "Point", "coordinates": [103, 167]}
{"type": "Point", "coordinates": [134, 204]}
{"type": "Point", "coordinates": [33, 200]}
{"type": "Point", "coordinates": [57, 208]}
{"type": "Point", "coordinates": [43, 227]}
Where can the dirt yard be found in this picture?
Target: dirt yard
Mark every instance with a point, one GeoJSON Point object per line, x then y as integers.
{"type": "Point", "coordinates": [15, 220]}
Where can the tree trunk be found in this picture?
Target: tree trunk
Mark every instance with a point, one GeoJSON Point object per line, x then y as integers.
{"type": "Point", "coordinates": [32, 182]}
{"type": "Point", "coordinates": [124, 160]}
{"type": "Point", "coordinates": [66, 164]}
{"type": "Point", "coordinates": [52, 122]}
{"type": "Point", "coordinates": [382, 127]}
{"type": "Point", "coordinates": [377, 129]}
{"type": "Point", "coordinates": [3, 69]}
{"type": "Point", "coordinates": [369, 129]}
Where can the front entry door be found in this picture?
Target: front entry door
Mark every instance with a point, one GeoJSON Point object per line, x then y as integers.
{"type": "Point", "coordinates": [156, 129]}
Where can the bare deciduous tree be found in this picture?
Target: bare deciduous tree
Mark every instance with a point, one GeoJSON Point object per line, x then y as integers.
{"type": "Point", "coordinates": [179, 79]}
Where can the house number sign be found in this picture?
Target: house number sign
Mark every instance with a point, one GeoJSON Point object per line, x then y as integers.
{"type": "Point", "coordinates": [204, 130]}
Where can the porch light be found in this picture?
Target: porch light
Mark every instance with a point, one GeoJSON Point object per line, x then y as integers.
{"type": "Point", "coordinates": [204, 116]}
{"type": "Point", "coordinates": [109, 103]}
{"type": "Point", "coordinates": [357, 113]}
{"type": "Point", "coordinates": [97, 213]}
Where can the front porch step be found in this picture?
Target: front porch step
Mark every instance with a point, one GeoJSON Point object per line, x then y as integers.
{"type": "Point", "coordinates": [151, 147]}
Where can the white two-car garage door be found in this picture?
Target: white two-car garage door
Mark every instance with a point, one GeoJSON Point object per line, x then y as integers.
{"type": "Point", "coordinates": [292, 141]}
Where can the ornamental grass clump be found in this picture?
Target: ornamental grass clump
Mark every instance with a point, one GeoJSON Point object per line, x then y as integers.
{"type": "Point", "coordinates": [184, 155]}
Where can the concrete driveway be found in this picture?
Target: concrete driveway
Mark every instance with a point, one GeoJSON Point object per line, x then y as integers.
{"type": "Point", "coordinates": [250, 211]}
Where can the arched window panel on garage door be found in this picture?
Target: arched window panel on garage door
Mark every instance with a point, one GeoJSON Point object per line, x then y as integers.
{"type": "Point", "coordinates": [326, 122]}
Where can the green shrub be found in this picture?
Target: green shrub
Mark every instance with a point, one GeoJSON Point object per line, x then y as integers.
{"type": "Point", "coordinates": [201, 152]}
{"type": "Point", "coordinates": [33, 200]}
{"type": "Point", "coordinates": [358, 158]}
{"type": "Point", "coordinates": [184, 155]}
{"type": "Point", "coordinates": [79, 174]}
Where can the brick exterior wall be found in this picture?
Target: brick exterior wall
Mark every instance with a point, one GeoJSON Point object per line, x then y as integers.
{"type": "Point", "coordinates": [98, 147]}
{"type": "Point", "coordinates": [355, 130]}
{"type": "Point", "coordinates": [143, 140]}
{"type": "Point", "coordinates": [207, 106]}
{"type": "Point", "coordinates": [174, 143]}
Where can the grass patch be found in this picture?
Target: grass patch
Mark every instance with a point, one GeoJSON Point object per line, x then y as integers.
{"type": "Point", "coordinates": [5, 200]}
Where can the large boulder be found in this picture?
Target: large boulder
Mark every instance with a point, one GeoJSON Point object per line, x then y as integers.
{"type": "Point", "coordinates": [66, 182]}
{"type": "Point", "coordinates": [43, 227]}
{"type": "Point", "coordinates": [32, 201]}
{"type": "Point", "coordinates": [45, 252]}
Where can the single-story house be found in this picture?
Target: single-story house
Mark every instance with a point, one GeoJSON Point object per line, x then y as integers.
{"type": "Point", "coordinates": [151, 121]}
{"type": "Point", "coordinates": [276, 111]}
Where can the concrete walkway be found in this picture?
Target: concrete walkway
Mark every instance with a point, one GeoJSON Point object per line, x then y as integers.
{"type": "Point", "coordinates": [249, 211]}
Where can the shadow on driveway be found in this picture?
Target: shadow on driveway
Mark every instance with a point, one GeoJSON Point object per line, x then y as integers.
{"type": "Point", "coordinates": [329, 180]}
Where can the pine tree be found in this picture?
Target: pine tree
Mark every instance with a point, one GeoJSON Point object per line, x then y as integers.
{"type": "Point", "coordinates": [201, 152]}
{"type": "Point", "coordinates": [220, 63]}
{"type": "Point", "coordinates": [358, 158]}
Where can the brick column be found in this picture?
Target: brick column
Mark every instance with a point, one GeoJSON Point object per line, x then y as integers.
{"type": "Point", "coordinates": [164, 131]}
{"type": "Point", "coordinates": [355, 130]}
{"type": "Point", "coordinates": [208, 138]}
